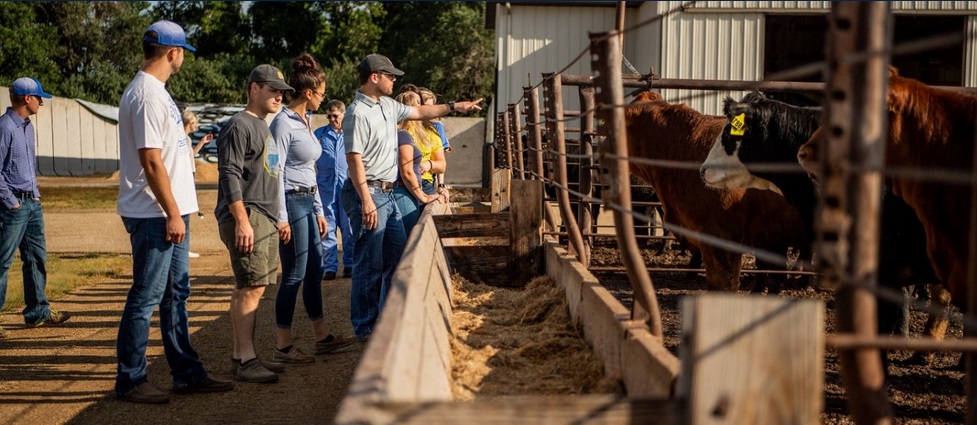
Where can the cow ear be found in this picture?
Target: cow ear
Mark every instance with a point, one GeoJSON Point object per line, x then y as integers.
{"type": "Point", "coordinates": [727, 102]}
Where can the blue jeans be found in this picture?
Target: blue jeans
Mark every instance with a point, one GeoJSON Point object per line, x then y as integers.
{"type": "Point", "coordinates": [161, 277]}
{"type": "Point", "coordinates": [375, 256]}
{"type": "Point", "coordinates": [428, 187]}
{"type": "Point", "coordinates": [336, 217]}
{"type": "Point", "coordinates": [301, 262]}
{"type": "Point", "coordinates": [410, 208]}
{"type": "Point", "coordinates": [24, 228]}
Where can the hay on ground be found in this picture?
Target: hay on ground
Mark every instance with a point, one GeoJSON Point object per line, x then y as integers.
{"type": "Point", "coordinates": [520, 341]}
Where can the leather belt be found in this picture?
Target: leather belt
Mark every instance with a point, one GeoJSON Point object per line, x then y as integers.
{"type": "Point", "coordinates": [382, 185]}
{"type": "Point", "coordinates": [299, 189]}
{"type": "Point", "coordinates": [23, 195]}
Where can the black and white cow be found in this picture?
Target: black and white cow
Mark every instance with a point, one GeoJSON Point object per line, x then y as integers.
{"type": "Point", "coordinates": [763, 130]}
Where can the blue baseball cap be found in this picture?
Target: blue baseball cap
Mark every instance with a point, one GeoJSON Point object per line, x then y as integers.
{"type": "Point", "coordinates": [26, 86]}
{"type": "Point", "coordinates": [167, 34]}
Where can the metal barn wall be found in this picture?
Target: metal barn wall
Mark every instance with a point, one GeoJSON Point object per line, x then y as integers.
{"type": "Point", "coordinates": [711, 46]}
{"type": "Point", "coordinates": [970, 54]}
{"type": "Point", "coordinates": [532, 40]}
{"type": "Point", "coordinates": [71, 140]}
{"type": "Point", "coordinates": [941, 7]}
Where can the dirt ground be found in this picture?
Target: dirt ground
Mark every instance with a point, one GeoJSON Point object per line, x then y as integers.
{"type": "Point", "coordinates": [918, 394]}
{"type": "Point", "coordinates": [65, 374]}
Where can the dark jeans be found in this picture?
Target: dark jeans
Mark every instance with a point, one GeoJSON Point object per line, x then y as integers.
{"type": "Point", "coordinates": [301, 262]}
{"type": "Point", "coordinates": [375, 256]}
{"type": "Point", "coordinates": [161, 277]}
{"type": "Point", "coordinates": [24, 228]}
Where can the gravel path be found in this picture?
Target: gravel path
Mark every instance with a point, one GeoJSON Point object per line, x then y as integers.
{"type": "Point", "coordinates": [66, 374]}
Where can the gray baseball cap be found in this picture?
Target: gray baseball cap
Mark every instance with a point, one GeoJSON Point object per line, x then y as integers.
{"type": "Point", "coordinates": [270, 75]}
{"type": "Point", "coordinates": [378, 63]}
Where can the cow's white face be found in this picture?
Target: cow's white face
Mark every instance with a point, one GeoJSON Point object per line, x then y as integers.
{"type": "Point", "coordinates": [724, 170]}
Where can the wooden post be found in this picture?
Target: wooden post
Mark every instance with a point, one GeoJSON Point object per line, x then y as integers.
{"type": "Point", "coordinates": [525, 231]}
{"type": "Point", "coordinates": [506, 137]}
{"type": "Point", "coordinates": [516, 130]}
{"type": "Point", "coordinates": [553, 95]}
{"type": "Point", "coordinates": [606, 63]}
{"type": "Point", "coordinates": [585, 209]}
{"type": "Point", "coordinates": [848, 223]}
{"type": "Point", "coordinates": [501, 181]}
{"type": "Point", "coordinates": [752, 359]}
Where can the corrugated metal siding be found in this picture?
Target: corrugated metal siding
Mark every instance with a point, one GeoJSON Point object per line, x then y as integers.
{"type": "Point", "coordinates": [970, 54]}
{"type": "Point", "coordinates": [532, 40]}
{"type": "Point", "coordinates": [712, 46]}
{"type": "Point", "coordinates": [788, 6]}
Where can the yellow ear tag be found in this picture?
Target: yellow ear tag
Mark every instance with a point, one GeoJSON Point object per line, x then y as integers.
{"type": "Point", "coordinates": [737, 126]}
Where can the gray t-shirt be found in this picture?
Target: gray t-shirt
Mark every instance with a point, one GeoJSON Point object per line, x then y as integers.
{"type": "Point", "coordinates": [370, 129]}
{"type": "Point", "coordinates": [249, 166]}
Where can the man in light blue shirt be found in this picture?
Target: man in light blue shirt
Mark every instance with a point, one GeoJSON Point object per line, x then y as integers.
{"type": "Point", "coordinates": [21, 218]}
{"type": "Point", "coordinates": [331, 175]}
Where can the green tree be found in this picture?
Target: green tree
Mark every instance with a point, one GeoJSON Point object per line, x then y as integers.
{"type": "Point", "coordinates": [25, 46]}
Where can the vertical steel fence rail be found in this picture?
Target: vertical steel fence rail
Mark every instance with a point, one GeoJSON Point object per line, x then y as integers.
{"type": "Point", "coordinates": [606, 64]}
{"type": "Point", "coordinates": [848, 225]}
{"type": "Point", "coordinates": [516, 123]}
{"type": "Point", "coordinates": [553, 98]}
{"type": "Point", "coordinates": [586, 185]}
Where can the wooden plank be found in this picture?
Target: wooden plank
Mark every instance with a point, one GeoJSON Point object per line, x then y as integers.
{"type": "Point", "coordinates": [473, 225]}
{"type": "Point", "coordinates": [550, 410]}
{"type": "Point", "coordinates": [500, 189]}
{"type": "Point", "coordinates": [752, 359]}
{"type": "Point", "coordinates": [652, 370]}
{"type": "Point", "coordinates": [525, 231]}
{"type": "Point", "coordinates": [602, 316]}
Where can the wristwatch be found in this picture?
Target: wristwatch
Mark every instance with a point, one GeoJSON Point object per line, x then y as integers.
{"type": "Point", "coordinates": [451, 106]}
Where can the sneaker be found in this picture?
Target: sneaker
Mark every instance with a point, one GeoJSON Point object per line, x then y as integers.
{"type": "Point", "coordinates": [331, 343]}
{"type": "Point", "coordinates": [348, 272]}
{"type": "Point", "coordinates": [206, 385]}
{"type": "Point", "coordinates": [145, 393]}
{"type": "Point", "coordinates": [295, 355]}
{"type": "Point", "coordinates": [329, 276]}
{"type": "Point", "coordinates": [53, 318]}
{"type": "Point", "coordinates": [272, 366]}
{"type": "Point", "coordinates": [192, 254]}
{"type": "Point", "coordinates": [253, 371]}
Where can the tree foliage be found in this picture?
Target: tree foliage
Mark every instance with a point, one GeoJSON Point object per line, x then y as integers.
{"type": "Point", "coordinates": [90, 50]}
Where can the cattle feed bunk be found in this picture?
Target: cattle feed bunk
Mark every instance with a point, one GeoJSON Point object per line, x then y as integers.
{"type": "Point", "coordinates": [723, 376]}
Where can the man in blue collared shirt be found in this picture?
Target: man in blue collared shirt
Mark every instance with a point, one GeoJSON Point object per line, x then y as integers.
{"type": "Point", "coordinates": [331, 176]}
{"type": "Point", "coordinates": [21, 219]}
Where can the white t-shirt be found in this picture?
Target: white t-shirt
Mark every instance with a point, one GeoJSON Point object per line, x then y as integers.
{"type": "Point", "coordinates": [148, 118]}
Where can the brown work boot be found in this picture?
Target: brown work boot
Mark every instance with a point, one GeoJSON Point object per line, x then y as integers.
{"type": "Point", "coordinates": [206, 385]}
{"type": "Point", "coordinates": [146, 393]}
{"type": "Point", "coordinates": [55, 317]}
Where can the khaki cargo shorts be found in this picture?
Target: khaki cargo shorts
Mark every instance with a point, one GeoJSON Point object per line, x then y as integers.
{"type": "Point", "coordinates": [260, 267]}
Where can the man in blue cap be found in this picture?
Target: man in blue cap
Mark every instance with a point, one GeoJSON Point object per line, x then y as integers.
{"type": "Point", "coordinates": [21, 218]}
{"type": "Point", "coordinates": [156, 197]}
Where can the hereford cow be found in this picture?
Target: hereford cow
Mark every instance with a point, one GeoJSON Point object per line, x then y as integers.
{"type": "Point", "coordinates": [763, 130]}
{"type": "Point", "coordinates": [929, 129]}
{"type": "Point", "coordinates": [658, 130]}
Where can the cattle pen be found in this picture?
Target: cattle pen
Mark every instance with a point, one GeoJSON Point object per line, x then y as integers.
{"type": "Point", "coordinates": [721, 373]}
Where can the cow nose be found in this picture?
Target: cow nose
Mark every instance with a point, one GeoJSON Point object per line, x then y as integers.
{"type": "Point", "coordinates": [803, 154]}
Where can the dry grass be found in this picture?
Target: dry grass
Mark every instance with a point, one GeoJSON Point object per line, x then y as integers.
{"type": "Point", "coordinates": [67, 272]}
{"type": "Point", "coordinates": [519, 341]}
{"type": "Point", "coordinates": [79, 198]}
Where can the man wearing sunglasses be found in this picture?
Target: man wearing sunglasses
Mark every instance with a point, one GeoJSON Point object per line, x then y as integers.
{"type": "Point", "coordinates": [331, 175]}
{"type": "Point", "coordinates": [21, 218]}
{"type": "Point", "coordinates": [370, 133]}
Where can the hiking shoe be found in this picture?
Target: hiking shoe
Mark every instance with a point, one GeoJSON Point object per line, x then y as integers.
{"type": "Point", "coordinates": [272, 366]}
{"type": "Point", "coordinates": [295, 355]}
{"type": "Point", "coordinates": [253, 371]}
{"type": "Point", "coordinates": [206, 385]}
{"type": "Point", "coordinates": [53, 318]}
{"type": "Point", "coordinates": [348, 272]}
{"type": "Point", "coordinates": [329, 276]}
{"type": "Point", "coordinates": [331, 343]}
{"type": "Point", "coordinates": [145, 393]}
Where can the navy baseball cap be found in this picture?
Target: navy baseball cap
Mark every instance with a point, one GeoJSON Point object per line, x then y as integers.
{"type": "Point", "coordinates": [167, 34]}
{"type": "Point", "coordinates": [26, 86]}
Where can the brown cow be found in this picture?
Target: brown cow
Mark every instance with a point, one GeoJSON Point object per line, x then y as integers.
{"type": "Point", "coordinates": [929, 129]}
{"type": "Point", "coordinates": [761, 219]}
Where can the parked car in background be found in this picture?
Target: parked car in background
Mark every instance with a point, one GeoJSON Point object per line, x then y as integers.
{"type": "Point", "coordinates": [209, 151]}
